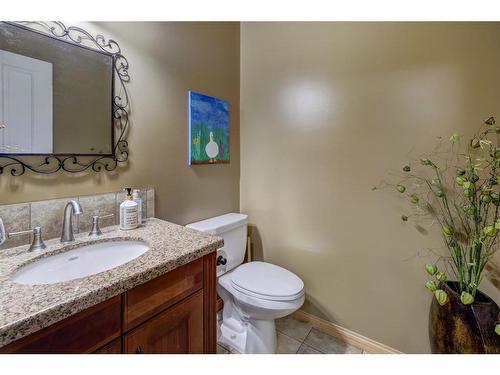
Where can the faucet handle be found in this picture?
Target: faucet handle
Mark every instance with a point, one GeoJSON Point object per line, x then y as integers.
{"type": "Point", "coordinates": [96, 231]}
{"type": "Point", "coordinates": [37, 243]}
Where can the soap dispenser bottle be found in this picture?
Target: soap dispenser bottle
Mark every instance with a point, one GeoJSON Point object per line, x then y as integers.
{"type": "Point", "coordinates": [136, 196]}
{"type": "Point", "coordinates": [128, 212]}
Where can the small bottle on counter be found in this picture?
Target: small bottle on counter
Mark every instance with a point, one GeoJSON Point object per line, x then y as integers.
{"type": "Point", "coordinates": [129, 212]}
{"type": "Point", "coordinates": [136, 196]}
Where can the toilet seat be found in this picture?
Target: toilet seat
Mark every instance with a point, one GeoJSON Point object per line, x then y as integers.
{"type": "Point", "coordinates": [267, 281]}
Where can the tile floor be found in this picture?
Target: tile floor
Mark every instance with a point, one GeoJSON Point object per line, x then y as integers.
{"type": "Point", "coordinates": [296, 337]}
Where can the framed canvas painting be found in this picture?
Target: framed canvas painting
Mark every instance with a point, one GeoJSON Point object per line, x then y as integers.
{"type": "Point", "coordinates": [208, 129]}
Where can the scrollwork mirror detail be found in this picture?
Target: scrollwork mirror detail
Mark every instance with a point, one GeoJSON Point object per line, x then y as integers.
{"type": "Point", "coordinates": [18, 164]}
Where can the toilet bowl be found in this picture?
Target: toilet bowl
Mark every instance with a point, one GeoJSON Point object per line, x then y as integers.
{"type": "Point", "coordinates": [254, 293]}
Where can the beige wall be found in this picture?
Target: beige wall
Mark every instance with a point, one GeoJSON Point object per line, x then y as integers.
{"type": "Point", "coordinates": [166, 60]}
{"type": "Point", "coordinates": [326, 110]}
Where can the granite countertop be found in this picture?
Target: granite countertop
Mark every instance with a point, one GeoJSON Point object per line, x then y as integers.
{"type": "Point", "coordinates": [25, 309]}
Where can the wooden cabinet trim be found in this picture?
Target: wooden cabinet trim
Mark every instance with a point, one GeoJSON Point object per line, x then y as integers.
{"type": "Point", "coordinates": [114, 347]}
{"type": "Point", "coordinates": [210, 303]}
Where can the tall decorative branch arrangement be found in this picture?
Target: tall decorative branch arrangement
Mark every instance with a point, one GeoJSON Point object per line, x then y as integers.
{"type": "Point", "coordinates": [460, 190]}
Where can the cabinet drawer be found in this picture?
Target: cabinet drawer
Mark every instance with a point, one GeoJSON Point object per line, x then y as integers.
{"type": "Point", "coordinates": [147, 300]}
{"type": "Point", "coordinates": [178, 330]}
{"type": "Point", "coordinates": [82, 333]}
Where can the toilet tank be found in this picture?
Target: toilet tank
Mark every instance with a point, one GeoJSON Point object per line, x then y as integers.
{"type": "Point", "coordinates": [233, 229]}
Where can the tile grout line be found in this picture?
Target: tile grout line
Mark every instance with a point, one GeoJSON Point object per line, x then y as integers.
{"type": "Point", "coordinates": [294, 338]}
{"type": "Point", "coordinates": [311, 346]}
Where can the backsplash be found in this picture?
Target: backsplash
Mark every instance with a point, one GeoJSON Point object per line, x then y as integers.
{"type": "Point", "coordinates": [48, 214]}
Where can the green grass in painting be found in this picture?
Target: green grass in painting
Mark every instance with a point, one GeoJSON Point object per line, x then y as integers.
{"type": "Point", "coordinates": [200, 136]}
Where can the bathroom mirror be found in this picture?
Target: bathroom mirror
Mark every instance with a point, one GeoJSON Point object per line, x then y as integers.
{"type": "Point", "coordinates": [63, 102]}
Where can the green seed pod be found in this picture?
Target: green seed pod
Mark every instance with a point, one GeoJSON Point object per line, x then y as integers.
{"type": "Point", "coordinates": [441, 297]}
{"type": "Point", "coordinates": [468, 192]}
{"type": "Point", "coordinates": [474, 178]}
{"type": "Point", "coordinates": [497, 329]}
{"type": "Point", "coordinates": [466, 298]}
{"type": "Point", "coordinates": [468, 185]}
{"type": "Point", "coordinates": [490, 231]}
{"type": "Point", "coordinates": [475, 143]}
{"type": "Point", "coordinates": [495, 196]}
{"type": "Point", "coordinates": [441, 276]}
{"type": "Point", "coordinates": [431, 269]}
{"type": "Point", "coordinates": [414, 199]}
{"type": "Point", "coordinates": [486, 198]}
{"type": "Point", "coordinates": [431, 285]}
{"type": "Point", "coordinates": [406, 168]}
{"type": "Point", "coordinates": [439, 194]}
{"type": "Point", "coordinates": [425, 162]}
{"type": "Point", "coordinates": [447, 229]}
{"type": "Point", "coordinates": [460, 172]}
{"type": "Point", "coordinates": [400, 188]}
{"type": "Point", "coordinates": [497, 224]}
{"type": "Point", "coordinates": [495, 153]}
{"type": "Point", "coordinates": [468, 209]}
{"type": "Point", "coordinates": [460, 180]}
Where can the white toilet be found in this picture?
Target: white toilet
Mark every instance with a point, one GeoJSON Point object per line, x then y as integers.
{"type": "Point", "coordinates": [254, 294]}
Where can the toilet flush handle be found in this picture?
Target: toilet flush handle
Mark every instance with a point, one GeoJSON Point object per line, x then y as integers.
{"type": "Point", "coordinates": [221, 260]}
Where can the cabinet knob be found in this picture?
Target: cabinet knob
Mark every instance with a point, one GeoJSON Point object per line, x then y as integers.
{"type": "Point", "coordinates": [138, 350]}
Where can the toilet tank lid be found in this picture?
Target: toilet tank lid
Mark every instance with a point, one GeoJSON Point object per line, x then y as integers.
{"type": "Point", "coordinates": [220, 224]}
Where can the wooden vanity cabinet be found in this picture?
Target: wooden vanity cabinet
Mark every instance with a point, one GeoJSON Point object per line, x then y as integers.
{"type": "Point", "coordinates": [173, 313]}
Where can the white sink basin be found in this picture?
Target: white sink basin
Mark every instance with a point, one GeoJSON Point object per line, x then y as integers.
{"type": "Point", "coordinates": [80, 262]}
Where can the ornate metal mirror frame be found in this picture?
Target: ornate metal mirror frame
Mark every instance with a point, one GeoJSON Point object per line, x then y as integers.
{"type": "Point", "coordinates": [18, 164]}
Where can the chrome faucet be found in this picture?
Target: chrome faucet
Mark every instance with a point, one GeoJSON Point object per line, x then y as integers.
{"type": "Point", "coordinates": [73, 207]}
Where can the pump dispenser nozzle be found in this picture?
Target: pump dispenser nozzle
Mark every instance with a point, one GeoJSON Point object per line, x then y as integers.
{"type": "Point", "coordinates": [129, 193]}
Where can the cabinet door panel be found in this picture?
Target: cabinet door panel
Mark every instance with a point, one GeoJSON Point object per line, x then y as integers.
{"type": "Point", "coordinates": [178, 330]}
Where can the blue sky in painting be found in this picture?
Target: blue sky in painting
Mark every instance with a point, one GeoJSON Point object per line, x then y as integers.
{"type": "Point", "coordinates": [210, 111]}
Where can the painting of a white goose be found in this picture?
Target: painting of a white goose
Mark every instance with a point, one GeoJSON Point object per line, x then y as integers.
{"type": "Point", "coordinates": [208, 129]}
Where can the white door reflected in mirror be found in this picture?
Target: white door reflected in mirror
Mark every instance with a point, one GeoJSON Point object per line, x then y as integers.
{"type": "Point", "coordinates": [26, 110]}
